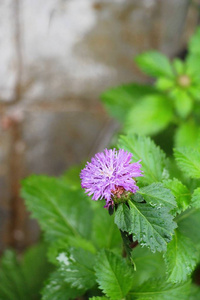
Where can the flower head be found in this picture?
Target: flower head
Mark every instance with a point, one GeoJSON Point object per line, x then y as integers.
{"type": "Point", "coordinates": [109, 174]}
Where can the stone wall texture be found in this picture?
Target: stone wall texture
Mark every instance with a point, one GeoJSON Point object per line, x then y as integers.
{"type": "Point", "coordinates": [57, 56]}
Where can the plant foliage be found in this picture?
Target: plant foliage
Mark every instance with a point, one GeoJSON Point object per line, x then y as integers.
{"type": "Point", "coordinates": [146, 245]}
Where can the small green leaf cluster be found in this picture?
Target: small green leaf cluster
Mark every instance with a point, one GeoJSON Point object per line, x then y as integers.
{"type": "Point", "coordinates": [158, 225]}
{"type": "Point", "coordinates": [172, 102]}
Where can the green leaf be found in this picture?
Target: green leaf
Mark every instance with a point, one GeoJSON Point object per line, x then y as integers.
{"type": "Point", "coordinates": [12, 279]}
{"type": "Point", "coordinates": [77, 268]}
{"type": "Point", "coordinates": [112, 237]}
{"type": "Point", "coordinates": [195, 202]}
{"type": "Point", "coordinates": [181, 193]}
{"type": "Point", "coordinates": [188, 160]}
{"type": "Point", "coordinates": [153, 158]}
{"type": "Point", "coordinates": [159, 289]}
{"type": "Point", "coordinates": [58, 289]}
{"type": "Point", "coordinates": [183, 103]}
{"type": "Point", "coordinates": [148, 265]}
{"type": "Point", "coordinates": [151, 227]}
{"type": "Point", "coordinates": [194, 43]}
{"type": "Point", "coordinates": [150, 115]}
{"type": "Point", "coordinates": [179, 66]}
{"type": "Point", "coordinates": [195, 93]}
{"type": "Point", "coordinates": [181, 258]}
{"type": "Point", "coordinates": [60, 211]}
{"type": "Point", "coordinates": [114, 275]}
{"type": "Point", "coordinates": [192, 63]}
{"type": "Point", "coordinates": [188, 134]}
{"type": "Point", "coordinates": [119, 100]}
{"type": "Point", "coordinates": [164, 83]}
{"type": "Point", "coordinates": [154, 64]}
{"type": "Point", "coordinates": [98, 298]}
{"type": "Point", "coordinates": [157, 195]}
{"type": "Point", "coordinates": [189, 224]}
{"type": "Point", "coordinates": [70, 241]}
{"type": "Point", "coordinates": [22, 280]}
{"type": "Point", "coordinates": [195, 292]}
{"type": "Point", "coordinates": [36, 269]}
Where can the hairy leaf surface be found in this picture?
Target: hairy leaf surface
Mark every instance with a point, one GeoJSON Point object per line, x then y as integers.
{"type": "Point", "coordinates": [157, 195]}
{"type": "Point", "coordinates": [151, 227]}
{"type": "Point", "coordinates": [114, 275]}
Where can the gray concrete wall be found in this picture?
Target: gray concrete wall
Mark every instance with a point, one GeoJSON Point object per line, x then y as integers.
{"type": "Point", "coordinates": [57, 56]}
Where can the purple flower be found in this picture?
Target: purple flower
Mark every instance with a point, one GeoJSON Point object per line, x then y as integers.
{"type": "Point", "coordinates": [109, 174]}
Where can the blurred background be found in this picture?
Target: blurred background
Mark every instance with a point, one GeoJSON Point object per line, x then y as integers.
{"type": "Point", "coordinates": [57, 57]}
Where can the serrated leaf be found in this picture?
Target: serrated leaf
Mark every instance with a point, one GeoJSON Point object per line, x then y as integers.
{"type": "Point", "coordinates": [114, 275]}
{"type": "Point", "coordinates": [159, 289]}
{"type": "Point", "coordinates": [150, 115]}
{"type": "Point", "coordinates": [181, 193]}
{"type": "Point", "coordinates": [112, 237]}
{"type": "Point", "coordinates": [154, 64]}
{"type": "Point", "coordinates": [60, 211]}
{"type": "Point", "coordinates": [153, 158]}
{"type": "Point", "coordinates": [195, 202]}
{"type": "Point", "coordinates": [147, 264]}
{"type": "Point", "coordinates": [76, 265]}
{"type": "Point", "coordinates": [58, 289]}
{"type": "Point", "coordinates": [188, 160]}
{"type": "Point", "coordinates": [188, 134]}
{"type": "Point", "coordinates": [120, 100]}
{"type": "Point", "coordinates": [181, 257]}
{"type": "Point", "coordinates": [157, 195]}
{"type": "Point", "coordinates": [151, 227]}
